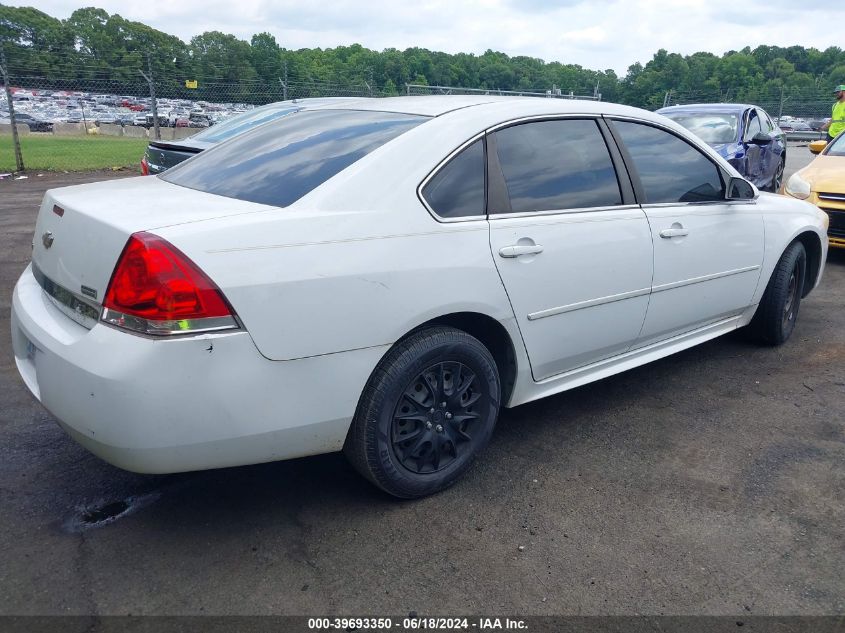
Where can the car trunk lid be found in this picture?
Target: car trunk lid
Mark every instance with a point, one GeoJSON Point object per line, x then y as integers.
{"type": "Point", "coordinates": [81, 230]}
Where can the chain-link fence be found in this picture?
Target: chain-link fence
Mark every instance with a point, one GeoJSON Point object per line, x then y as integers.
{"type": "Point", "coordinates": [808, 104]}
{"type": "Point", "coordinates": [73, 125]}
{"type": "Point", "coordinates": [69, 125]}
{"type": "Point", "coordinates": [65, 124]}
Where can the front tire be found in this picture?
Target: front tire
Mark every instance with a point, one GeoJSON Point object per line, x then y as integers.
{"type": "Point", "coordinates": [427, 411]}
{"type": "Point", "coordinates": [777, 179]}
{"type": "Point", "coordinates": [778, 310]}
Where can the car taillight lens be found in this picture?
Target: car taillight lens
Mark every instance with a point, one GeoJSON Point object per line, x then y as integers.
{"type": "Point", "coordinates": [155, 289]}
{"type": "Point", "coordinates": [145, 168]}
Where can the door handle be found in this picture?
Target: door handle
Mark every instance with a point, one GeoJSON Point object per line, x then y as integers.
{"type": "Point", "coordinates": [674, 232]}
{"type": "Point", "coordinates": [520, 249]}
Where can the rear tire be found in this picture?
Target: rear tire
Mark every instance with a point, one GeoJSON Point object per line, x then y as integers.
{"type": "Point", "coordinates": [778, 310]}
{"type": "Point", "coordinates": [427, 411]}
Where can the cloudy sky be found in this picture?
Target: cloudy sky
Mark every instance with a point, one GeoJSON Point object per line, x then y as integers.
{"type": "Point", "coordinates": [597, 34]}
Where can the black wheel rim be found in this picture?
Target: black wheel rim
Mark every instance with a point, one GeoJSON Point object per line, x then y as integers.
{"type": "Point", "coordinates": [791, 297]}
{"type": "Point", "coordinates": [438, 417]}
{"type": "Point", "coordinates": [778, 177]}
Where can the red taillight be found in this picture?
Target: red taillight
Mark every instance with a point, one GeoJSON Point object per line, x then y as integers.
{"type": "Point", "coordinates": [156, 289]}
{"type": "Point", "coordinates": [145, 168]}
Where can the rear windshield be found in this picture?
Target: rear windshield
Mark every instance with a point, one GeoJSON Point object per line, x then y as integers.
{"type": "Point", "coordinates": [280, 162]}
{"type": "Point", "coordinates": [244, 121]}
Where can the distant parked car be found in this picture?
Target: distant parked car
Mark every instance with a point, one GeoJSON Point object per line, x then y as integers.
{"type": "Point", "coordinates": [745, 135]}
{"type": "Point", "coordinates": [161, 155]}
{"type": "Point", "coordinates": [35, 124]}
{"type": "Point", "coordinates": [801, 126]}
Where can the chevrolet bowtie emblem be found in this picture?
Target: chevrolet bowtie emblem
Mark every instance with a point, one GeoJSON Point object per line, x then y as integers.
{"type": "Point", "coordinates": [47, 239]}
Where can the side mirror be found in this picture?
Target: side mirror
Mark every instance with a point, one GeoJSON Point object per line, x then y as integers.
{"type": "Point", "coordinates": [739, 189]}
{"type": "Point", "coordinates": [761, 138]}
{"type": "Point", "coordinates": [816, 147]}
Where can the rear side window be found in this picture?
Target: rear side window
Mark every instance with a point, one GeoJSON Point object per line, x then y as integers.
{"type": "Point", "coordinates": [551, 165]}
{"type": "Point", "coordinates": [670, 169]}
{"type": "Point", "coordinates": [457, 190]}
{"type": "Point", "coordinates": [281, 161]}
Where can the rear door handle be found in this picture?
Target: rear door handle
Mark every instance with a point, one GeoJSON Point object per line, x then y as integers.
{"type": "Point", "coordinates": [674, 232]}
{"type": "Point", "coordinates": [520, 249]}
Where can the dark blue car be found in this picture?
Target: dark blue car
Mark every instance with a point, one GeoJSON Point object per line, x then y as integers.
{"type": "Point", "coordinates": [743, 134]}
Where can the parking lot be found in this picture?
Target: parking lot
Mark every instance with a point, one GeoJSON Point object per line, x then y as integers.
{"type": "Point", "coordinates": [710, 482]}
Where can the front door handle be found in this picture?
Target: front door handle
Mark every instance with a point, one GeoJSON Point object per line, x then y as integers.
{"type": "Point", "coordinates": [674, 232]}
{"type": "Point", "coordinates": [520, 249]}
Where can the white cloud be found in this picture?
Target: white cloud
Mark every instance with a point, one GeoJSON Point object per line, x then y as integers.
{"type": "Point", "coordinates": [596, 34]}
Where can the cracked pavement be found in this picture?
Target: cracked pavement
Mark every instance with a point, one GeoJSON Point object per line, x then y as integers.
{"type": "Point", "coordinates": [710, 482]}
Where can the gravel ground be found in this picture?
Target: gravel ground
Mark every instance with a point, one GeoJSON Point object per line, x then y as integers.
{"type": "Point", "coordinates": [711, 482]}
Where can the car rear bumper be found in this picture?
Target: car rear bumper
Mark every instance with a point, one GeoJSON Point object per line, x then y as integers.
{"type": "Point", "coordinates": [185, 403]}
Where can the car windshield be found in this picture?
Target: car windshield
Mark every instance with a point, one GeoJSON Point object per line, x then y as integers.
{"type": "Point", "coordinates": [837, 146]}
{"type": "Point", "coordinates": [716, 127]}
{"type": "Point", "coordinates": [281, 161]}
{"type": "Point", "coordinates": [244, 121]}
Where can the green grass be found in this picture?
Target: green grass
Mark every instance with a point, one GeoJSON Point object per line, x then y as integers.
{"type": "Point", "coordinates": [72, 153]}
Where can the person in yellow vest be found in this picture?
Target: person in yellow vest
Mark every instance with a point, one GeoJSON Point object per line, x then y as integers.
{"type": "Point", "coordinates": [837, 118]}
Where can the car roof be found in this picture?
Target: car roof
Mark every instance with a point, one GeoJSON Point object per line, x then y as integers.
{"type": "Point", "coordinates": [438, 105]}
{"type": "Point", "coordinates": [707, 107]}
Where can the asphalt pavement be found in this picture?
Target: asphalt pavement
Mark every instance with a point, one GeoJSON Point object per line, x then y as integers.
{"type": "Point", "coordinates": [710, 482]}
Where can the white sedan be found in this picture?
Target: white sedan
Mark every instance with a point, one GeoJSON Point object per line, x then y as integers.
{"type": "Point", "coordinates": [383, 277]}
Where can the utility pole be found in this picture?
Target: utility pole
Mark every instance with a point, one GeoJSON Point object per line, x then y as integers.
{"type": "Point", "coordinates": [285, 82]}
{"type": "Point", "coordinates": [153, 103]}
{"type": "Point", "coordinates": [15, 140]}
{"type": "Point", "coordinates": [780, 107]}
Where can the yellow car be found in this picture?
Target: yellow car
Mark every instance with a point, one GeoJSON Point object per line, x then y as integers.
{"type": "Point", "coordinates": [822, 182]}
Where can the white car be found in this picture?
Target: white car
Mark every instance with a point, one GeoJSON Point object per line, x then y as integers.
{"type": "Point", "coordinates": [383, 277]}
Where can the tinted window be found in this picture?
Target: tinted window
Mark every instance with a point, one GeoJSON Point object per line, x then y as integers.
{"type": "Point", "coordinates": [457, 190]}
{"type": "Point", "coordinates": [557, 165]}
{"type": "Point", "coordinates": [280, 162]}
{"type": "Point", "coordinates": [670, 169]}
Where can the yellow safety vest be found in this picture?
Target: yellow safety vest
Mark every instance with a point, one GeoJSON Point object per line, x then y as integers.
{"type": "Point", "coordinates": [837, 119]}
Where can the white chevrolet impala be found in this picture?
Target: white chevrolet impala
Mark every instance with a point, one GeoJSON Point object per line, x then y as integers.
{"type": "Point", "coordinates": [383, 277]}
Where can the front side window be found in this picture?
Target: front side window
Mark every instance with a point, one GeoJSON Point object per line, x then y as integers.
{"type": "Point", "coordinates": [754, 126]}
{"type": "Point", "coordinates": [766, 122]}
{"type": "Point", "coordinates": [457, 190]}
{"type": "Point", "coordinates": [556, 165]}
{"type": "Point", "coordinates": [281, 161]}
{"type": "Point", "coordinates": [670, 169]}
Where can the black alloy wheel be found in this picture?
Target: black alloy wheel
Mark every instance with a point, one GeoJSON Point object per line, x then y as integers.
{"type": "Point", "coordinates": [777, 179]}
{"type": "Point", "coordinates": [427, 411]}
{"type": "Point", "coordinates": [436, 417]}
